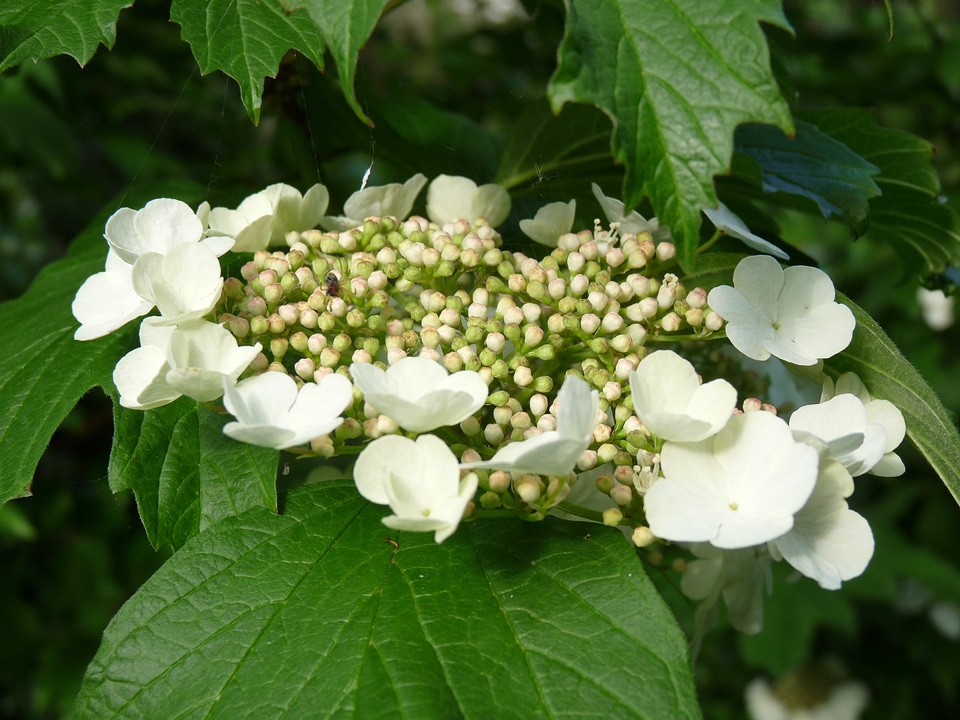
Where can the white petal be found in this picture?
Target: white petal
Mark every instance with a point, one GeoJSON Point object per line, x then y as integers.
{"type": "Point", "coordinates": [550, 222]}
{"type": "Point", "coordinates": [394, 199]}
{"type": "Point", "coordinates": [201, 354]}
{"type": "Point", "coordinates": [107, 301]}
{"type": "Point", "coordinates": [730, 223]}
{"type": "Point", "coordinates": [492, 202]}
{"type": "Point", "coordinates": [139, 376]}
{"type": "Point", "coordinates": [184, 284]}
{"type": "Point", "coordinates": [374, 464]}
{"type": "Point", "coordinates": [164, 224]}
{"type": "Point", "coordinates": [449, 198]}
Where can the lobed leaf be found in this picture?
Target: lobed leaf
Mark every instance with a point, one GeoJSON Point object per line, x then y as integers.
{"type": "Point", "coordinates": [31, 30]}
{"type": "Point", "coordinates": [184, 472]}
{"type": "Point", "coordinates": [311, 614]}
{"type": "Point", "coordinates": [676, 79]}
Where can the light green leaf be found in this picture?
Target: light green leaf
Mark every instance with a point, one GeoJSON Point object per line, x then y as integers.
{"type": "Point", "coordinates": [815, 166]}
{"type": "Point", "coordinates": [889, 375]}
{"type": "Point", "coordinates": [184, 472]}
{"type": "Point", "coordinates": [43, 370]}
{"type": "Point", "coordinates": [31, 30]}
{"type": "Point", "coordinates": [676, 79]}
{"type": "Point", "coordinates": [246, 39]}
{"type": "Point", "coordinates": [909, 214]}
{"type": "Point", "coordinates": [312, 614]}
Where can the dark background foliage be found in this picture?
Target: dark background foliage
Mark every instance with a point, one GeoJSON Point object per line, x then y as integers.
{"type": "Point", "coordinates": [140, 121]}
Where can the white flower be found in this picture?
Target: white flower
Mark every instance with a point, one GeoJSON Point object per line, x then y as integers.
{"type": "Point", "coordinates": [881, 412]}
{"type": "Point", "coordinates": [550, 222]}
{"type": "Point", "coordinates": [669, 399]}
{"type": "Point", "coordinates": [845, 701]}
{"type": "Point", "coordinates": [161, 225]}
{"type": "Point", "coordinates": [272, 412]}
{"type": "Point", "coordinates": [838, 427]}
{"type": "Point", "coordinates": [419, 480]}
{"type": "Point", "coordinates": [107, 300]}
{"type": "Point", "coordinates": [742, 577]}
{"type": "Point", "coordinates": [729, 222]}
{"type": "Point", "coordinates": [739, 488]}
{"type": "Point", "coordinates": [828, 542]}
{"type": "Point", "coordinates": [184, 284]}
{"type": "Point", "coordinates": [554, 452]}
{"type": "Point", "coordinates": [418, 394]}
{"type": "Point", "coordinates": [787, 313]}
{"type": "Point", "coordinates": [633, 223]}
{"type": "Point", "coordinates": [936, 308]}
{"type": "Point", "coordinates": [379, 201]}
{"type": "Point", "coordinates": [190, 359]}
{"type": "Point", "coordinates": [264, 218]}
{"type": "Point", "coordinates": [451, 198]}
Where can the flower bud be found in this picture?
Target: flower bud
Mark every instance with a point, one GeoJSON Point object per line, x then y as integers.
{"type": "Point", "coordinates": [612, 322]}
{"type": "Point", "coordinates": [643, 537]}
{"type": "Point", "coordinates": [523, 376]}
{"type": "Point", "coordinates": [587, 461]}
{"type": "Point", "coordinates": [621, 495]}
{"type": "Point", "coordinates": [329, 358]}
{"type": "Point", "coordinates": [612, 517]}
{"type": "Point", "coordinates": [671, 322]}
{"type": "Point", "coordinates": [305, 368]}
{"type": "Point", "coordinates": [666, 251]}
{"type": "Point", "coordinates": [528, 487]}
{"type": "Point", "coordinates": [589, 323]}
{"type": "Point", "coordinates": [499, 481]}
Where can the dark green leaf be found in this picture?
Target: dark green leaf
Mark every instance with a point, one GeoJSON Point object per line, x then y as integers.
{"type": "Point", "coordinates": [815, 166]}
{"type": "Point", "coordinates": [312, 614]}
{"type": "Point", "coordinates": [676, 79]}
{"type": "Point", "coordinates": [909, 214]}
{"type": "Point", "coordinates": [31, 30]}
{"type": "Point", "coordinates": [185, 473]}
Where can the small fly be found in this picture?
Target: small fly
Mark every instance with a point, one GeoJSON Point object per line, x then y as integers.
{"type": "Point", "coordinates": [333, 285]}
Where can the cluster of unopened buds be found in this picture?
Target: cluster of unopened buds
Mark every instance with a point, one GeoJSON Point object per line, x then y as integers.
{"type": "Point", "coordinates": [507, 383]}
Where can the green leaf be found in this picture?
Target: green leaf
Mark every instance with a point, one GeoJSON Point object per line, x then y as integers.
{"type": "Point", "coordinates": [312, 614]}
{"type": "Point", "coordinates": [815, 166]}
{"type": "Point", "coordinates": [31, 30]}
{"type": "Point", "coordinates": [246, 39]}
{"type": "Point", "coordinates": [889, 375]}
{"type": "Point", "coordinates": [676, 79]}
{"type": "Point", "coordinates": [184, 472]}
{"type": "Point", "coordinates": [43, 370]}
{"type": "Point", "coordinates": [909, 215]}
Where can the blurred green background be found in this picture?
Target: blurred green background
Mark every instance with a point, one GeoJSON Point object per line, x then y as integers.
{"type": "Point", "coordinates": [445, 83]}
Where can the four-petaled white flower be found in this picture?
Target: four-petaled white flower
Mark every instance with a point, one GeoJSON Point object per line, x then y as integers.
{"type": "Point", "coordinates": [184, 284]}
{"type": "Point", "coordinates": [107, 300]}
{"type": "Point", "coordinates": [452, 197]}
{"type": "Point", "coordinates": [633, 223]}
{"type": "Point", "coordinates": [669, 399]}
{"type": "Point", "coordinates": [272, 412]}
{"type": "Point", "coordinates": [741, 577]}
{"type": "Point", "coordinates": [839, 429]}
{"type": "Point", "coordinates": [190, 359]}
{"type": "Point", "coordinates": [264, 218]}
{"type": "Point", "coordinates": [418, 394]}
{"type": "Point", "coordinates": [881, 412]}
{"type": "Point", "coordinates": [842, 701]}
{"type": "Point", "coordinates": [420, 481]}
{"type": "Point", "coordinates": [787, 313]}
{"type": "Point", "coordinates": [739, 488]}
{"type": "Point", "coordinates": [554, 452]}
{"type": "Point", "coordinates": [550, 222]}
{"type": "Point", "coordinates": [161, 225]}
{"type": "Point", "coordinates": [829, 542]}
{"type": "Point", "coordinates": [729, 222]}
{"type": "Point", "coordinates": [379, 201]}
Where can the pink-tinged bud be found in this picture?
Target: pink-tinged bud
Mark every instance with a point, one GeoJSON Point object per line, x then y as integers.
{"type": "Point", "coordinates": [528, 487]}
{"type": "Point", "coordinates": [621, 494]}
{"type": "Point", "coordinates": [712, 321]}
{"type": "Point", "coordinates": [337, 307]}
{"type": "Point", "coordinates": [612, 322]}
{"type": "Point", "coordinates": [666, 251]}
{"type": "Point", "coordinates": [694, 317]}
{"type": "Point", "coordinates": [386, 426]}
{"type": "Point", "coordinates": [308, 317]}
{"type": "Point", "coordinates": [305, 368]}
{"type": "Point", "coordinates": [361, 356]}
{"type": "Point", "coordinates": [259, 325]}
{"type": "Point", "coordinates": [470, 455]}
{"type": "Point", "coordinates": [671, 322]}
{"type": "Point", "coordinates": [649, 307]}
{"type": "Point", "coordinates": [576, 262]}
{"type": "Point", "coordinates": [347, 241]}
{"type": "Point", "coordinates": [430, 354]}
{"type": "Point", "coordinates": [520, 421]}
{"type": "Point", "coordinates": [300, 342]}
{"type": "Point", "coordinates": [329, 358]}
{"type": "Point", "coordinates": [394, 354]}
{"type": "Point", "coordinates": [547, 423]}
{"type": "Point", "coordinates": [589, 323]}
{"type": "Point", "coordinates": [278, 265]}
{"type": "Point", "coordinates": [602, 433]}
{"type": "Point", "coordinates": [259, 364]}
{"type": "Point", "coordinates": [495, 341]}
{"type": "Point", "coordinates": [289, 314]}
{"type": "Point", "coordinates": [615, 257]}
{"type": "Point", "coordinates": [249, 270]}
{"type": "Point", "coordinates": [513, 316]}
{"type": "Point", "coordinates": [268, 277]}
{"type": "Point", "coordinates": [523, 376]}
{"type": "Point", "coordinates": [499, 481]}
{"type": "Point", "coordinates": [587, 461]}
{"type": "Point", "coordinates": [257, 306]}
{"type": "Point", "coordinates": [317, 343]}
{"type": "Point", "coordinates": [697, 297]}
{"type": "Point", "coordinates": [557, 288]}
{"type": "Point", "coordinates": [598, 300]}
{"type": "Point", "coordinates": [276, 366]}
{"type": "Point", "coordinates": [642, 537]}
{"type": "Point", "coordinates": [752, 404]}
{"type": "Point", "coordinates": [323, 446]}
{"type": "Point", "coordinates": [767, 407]}
{"type": "Point", "coordinates": [611, 391]}
{"type": "Point", "coordinates": [623, 474]}
{"type": "Point", "coordinates": [667, 295]}
{"type": "Point", "coordinates": [612, 517]}
{"type": "Point", "coordinates": [590, 250]}
{"type": "Point", "coordinates": [430, 257]}
{"type": "Point", "coordinates": [476, 310]}
{"type": "Point", "coordinates": [370, 428]}
{"type": "Point", "coordinates": [238, 326]}
{"type": "Point", "coordinates": [533, 336]}
{"type": "Point", "coordinates": [275, 324]}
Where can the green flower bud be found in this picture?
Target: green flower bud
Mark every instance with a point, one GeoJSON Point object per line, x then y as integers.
{"type": "Point", "coordinates": [489, 501]}
{"type": "Point", "coordinates": [612, 517]}
{"type": "Point", "coordinates": [542, 384]}
{"type": "Point", "coordinates": [278, 347]}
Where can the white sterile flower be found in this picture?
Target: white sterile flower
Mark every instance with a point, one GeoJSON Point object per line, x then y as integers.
{"type": "Point", "coordinates": [184, 284]}
{"type": "Point", "coordinates": [452, 197]}
{"type": "Point", "coordinates": [741, 577]}
{"type": "Point", "coordinates": [550, 222]}
{"type": "Point", "coordinates": [420, 481]}
{"type": "Point", "coordinates": [107, 300]}
{"type": "Point", "coordinates": [728, 222]}
{"type": "Point", "coordinates": [378, 201]}
{"type": "Point", "coordinates": [190, 359]}
{"type": "Point", "coordinates": [554, 452]}
{"type": "Point", "coordinates": [418, 394]}
{"type": "Point", "coordinates": [161, 225]}
{"type": "Point", "coordinates": [739, 488]}
{"type": "Point", "coordinates": [669, 399]}
{"type": "Point", "coordinates": [272, 412]}
{"type": "Point", "coordinates": [844, 701]}
{"type": "Point", "coordinates": [829, 542]}
{"type": "Point", "coordinates": [839, 428]}
{"type": "Point", "coordinates": [881, 412]}
{"type": "Point", "coordinates": [936, 308]}
{"type": "Point", "coordinates": [787, 313]}
{"type": "Point", "coordinates": [634, 223]}
{"type": "Point", "coordinates": [265, 218]}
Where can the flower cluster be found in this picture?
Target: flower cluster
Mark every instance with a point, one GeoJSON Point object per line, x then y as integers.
{"type": "Point", "coordinates": [506, 382]}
